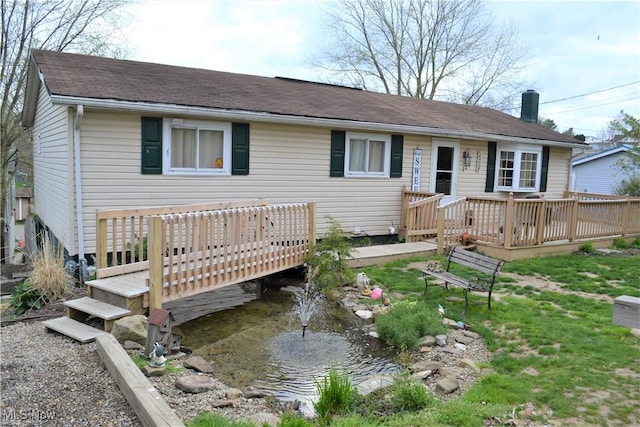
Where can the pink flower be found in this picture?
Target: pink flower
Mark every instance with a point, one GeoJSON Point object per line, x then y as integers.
{"type": "Point", "coordinates": [376, 293]}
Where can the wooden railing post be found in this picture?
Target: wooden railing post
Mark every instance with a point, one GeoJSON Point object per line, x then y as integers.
{"type": "Point", "coordinates": [573, 219]}
{"type": "Point", "coordinates": [626, 215]}
{"type": "Point", "coordinates": [155, 253]}
{"type": "Point", "coordinates": [312, 227]}
{"type": "Point", "coordinates": [402, 231]}
{"type": "Point", "coordinates": [441, 236]}
{"type": "Point", "coordinates": [101, 242]}
{"type": "Point", "coordinates": [542, 221]}
{"type": "Point", "coordinates": [508, 222]}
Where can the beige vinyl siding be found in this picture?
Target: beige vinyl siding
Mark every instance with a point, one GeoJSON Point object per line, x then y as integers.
{"type": "Point", "coordinates": [559, 172]}
{"type": "Point", "coordinates": [288, 164]}
{"type": "Point", "coordinates": [53, 173]}
{"type": "Point", "coordinates": [471, 182]}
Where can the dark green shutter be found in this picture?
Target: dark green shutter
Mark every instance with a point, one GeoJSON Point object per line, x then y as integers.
{"type": "Point", "coordinates": [395, 170]}
{"type": "Point", "coordinates": [151, 145]}
{"type": "Point", "coordinates": [491, 167]}
{"type": "Point", "coordinates": [336, 167]}
{"type": "Point", "coordinates": [545, 169]}
{"type": "Point", "coordinates": [240, 149]}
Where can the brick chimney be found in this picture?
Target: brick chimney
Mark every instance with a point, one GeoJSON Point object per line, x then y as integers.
{"type": "Point", "coordinates": [529, 110]}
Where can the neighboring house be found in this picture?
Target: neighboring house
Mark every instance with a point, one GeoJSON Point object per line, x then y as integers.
{"type": "Point", "coordinates": [598, 173]}
{"type": "Point", "coordinates": [121, 134]}
{"type": "Point", "coordinates": [23, 202]}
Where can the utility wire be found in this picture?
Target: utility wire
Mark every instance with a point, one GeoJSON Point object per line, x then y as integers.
{"type": "Point", "coordinates": [586, 107]}
{"type": "Point", "coordinates": [590, 93]}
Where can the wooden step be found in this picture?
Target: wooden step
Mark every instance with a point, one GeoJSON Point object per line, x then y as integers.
{"type": "Point", "coordinates": [72, 328]}
{"type": "Point", "coordinates": [80, 309]}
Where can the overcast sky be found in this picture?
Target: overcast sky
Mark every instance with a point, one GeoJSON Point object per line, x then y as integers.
{"type": "Point", "coordinates": [587, 50]}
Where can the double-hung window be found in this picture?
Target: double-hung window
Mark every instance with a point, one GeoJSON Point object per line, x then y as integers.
{"type": "Point", "coordinates": [197, 147]}
{"type": "Point", "coordinates": [518, 168]}
{"type": "Point", "coordinates": [367, 155]}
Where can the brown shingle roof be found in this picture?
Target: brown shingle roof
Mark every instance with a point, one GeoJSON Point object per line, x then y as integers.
{"type": "Point", "coordinates": [84, 76]}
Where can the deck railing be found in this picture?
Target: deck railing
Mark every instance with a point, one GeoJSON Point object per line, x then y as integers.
{"type": "Point", "coordinates": [419, 215]}
{"type": "Point", "coordinates": [522, 222]}
{"type": "Point", "coordinates": [121, 234]}
{"type": "Point", "coordinates": [190, 253]}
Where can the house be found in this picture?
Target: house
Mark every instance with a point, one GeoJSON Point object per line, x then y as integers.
{"type": "Point", "coordinates": [114, 133]}
{"type": "Point", "coordinates": [598, 173]}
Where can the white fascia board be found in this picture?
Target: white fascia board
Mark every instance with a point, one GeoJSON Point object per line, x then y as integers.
{"type": "Point", "coordinates": [221, 114]}
{"type": "Point", "coordinates": [596, 156]}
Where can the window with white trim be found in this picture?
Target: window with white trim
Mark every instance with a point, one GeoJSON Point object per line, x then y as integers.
{"type": "Point", "coordinates": [518, 168]}
{"type": "Point", "coordinates": [195, 147]}
{"type": "Point", "coordinates": [367, 155]}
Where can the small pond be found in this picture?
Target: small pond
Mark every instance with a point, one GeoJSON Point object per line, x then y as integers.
{"type": "Point", "coordinates": [260, 344]}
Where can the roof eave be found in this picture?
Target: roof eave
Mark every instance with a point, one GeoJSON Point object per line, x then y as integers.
{"type": "Point", "coordinates": [31, 94]}
{"type": "Point", "coordinates": [172, 109]}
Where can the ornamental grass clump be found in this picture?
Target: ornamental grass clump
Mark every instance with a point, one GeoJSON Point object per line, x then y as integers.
{"type": "Point", "coordinates": [336, 395]}
{"type": "Point", "coordinates": [49, 276]}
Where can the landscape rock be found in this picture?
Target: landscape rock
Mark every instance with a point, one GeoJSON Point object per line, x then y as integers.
{"type": "Point", "coordinates": [131, 328]}
{"type": "Point", "coordinates": [131, 345]}
{"type": "Point", "coordinates": [448, 371]}
{"type": "Point", "coordinates": [233, 393]}
{"type": "Point", "coordinates": [364, 314]}
{"type": "Point", "coordinates": [151, 371]}
{"type": "Point", "coordinates": [252, 393]}
{"type": "Point", "coordinates": [449, 322]}
{"type": "Point", "coordinates": [441, 340]}
{"type": "Point", "coordinates": [199, 364]}
{"type": "Point", "coordinates": [374, 383]}
{"type": "Point", "coordinates": [447, 385]}
{"type": "Point", "coordinates": [449, 350]}
{"type": "Point", "coordinates": [221, 403]}
{"type": "Point", "coordinates": [464, 339]}
{"type": "Point", "coordinates": [425, 366]}
{"type": "Point", "coordinates": [427, 340]}
{"type": "Point", "coordinates": [469, 364]}
{"type": "Point", "coordinates": [263, 418]}
{"type": "Point", "coordinates": [195, 384]}
{"type": "Point", "coordinates": [421, 375]}
{"type": "Point", "coordinates": [359, 307]}
{"type": "Point", "coordinates": [471, 334]}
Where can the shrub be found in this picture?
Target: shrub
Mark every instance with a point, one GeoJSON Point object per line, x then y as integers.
{"type": "Point", "coordinates": [407, 321]}
{"type": "Point", "coordinates": [621, 243]}
{"type": "Point", "coordinates": [328, 266]}
{"type": "Point", "coordinates": [25, 298]}
{"type": "Point", "coordinates": [629, 187]}
{"type": "Point", "coordinates": [636, 242]}
{"type": "Point", "coordinates": [336, 395]}
{"type": "Point", "coordinates": [587, 248]}
{"type": "Point", "coordinates": [410, 394]}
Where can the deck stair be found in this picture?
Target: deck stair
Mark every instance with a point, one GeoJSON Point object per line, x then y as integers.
{"type": "Point", "coordinates": [109, 299]}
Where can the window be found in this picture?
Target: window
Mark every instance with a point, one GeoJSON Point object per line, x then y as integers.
{"type": "Point", "coordinates": [367, 155]}
{"type": "Point", "coordinates": [518, 168]}
{"type": "Point", "coordinates": [197, 147]}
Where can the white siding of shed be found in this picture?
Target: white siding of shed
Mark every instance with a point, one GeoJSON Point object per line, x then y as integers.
{"type": "Point", "coordinates": [599, 176]}
{"type": "Point", "coordinates": [53, 169]}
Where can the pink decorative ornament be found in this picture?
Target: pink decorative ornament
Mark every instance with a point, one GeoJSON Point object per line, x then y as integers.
{"type": "Point", "coordinates": [376, 293]}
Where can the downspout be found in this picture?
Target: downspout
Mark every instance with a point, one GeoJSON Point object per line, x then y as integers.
{"type": "Point", "coordinates": [78, 175]}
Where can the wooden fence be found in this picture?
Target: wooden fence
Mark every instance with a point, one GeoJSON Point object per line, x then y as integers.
{"type": "Point", "coordinates": [522, 222]}
{"type": "Point", "coordinates": [190, 253]}
{"type": "Point", "coordinates": [121, 234]}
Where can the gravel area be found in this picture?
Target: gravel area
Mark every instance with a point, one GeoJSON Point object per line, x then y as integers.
{"type": "Point", "coordinates": [48, 379]}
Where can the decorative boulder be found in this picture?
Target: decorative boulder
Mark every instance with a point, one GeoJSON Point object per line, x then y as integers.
{"type": "Point", "coordinates": [132, 328]}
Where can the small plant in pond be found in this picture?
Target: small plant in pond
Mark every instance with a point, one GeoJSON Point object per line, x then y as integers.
{"type": "Point", "coordinates": [407, 322]}
{"type": "Point", "coordinates": [336, 395]}
{"type": "Point", "coordinates": [328, 266]}
{"type": "Point", "coordinates": [587, 248]}
{"type": "Point", "coordinates": [410, 394]}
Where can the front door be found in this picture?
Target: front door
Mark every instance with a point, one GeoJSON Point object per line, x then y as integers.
{"type": "Point", "coordinates": [444, 169]}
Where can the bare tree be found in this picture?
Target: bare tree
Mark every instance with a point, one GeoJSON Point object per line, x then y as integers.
{"type": "Point", "coordinates": [82, 26]}
{"type": "Point", "coordinates": [436, 49]}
